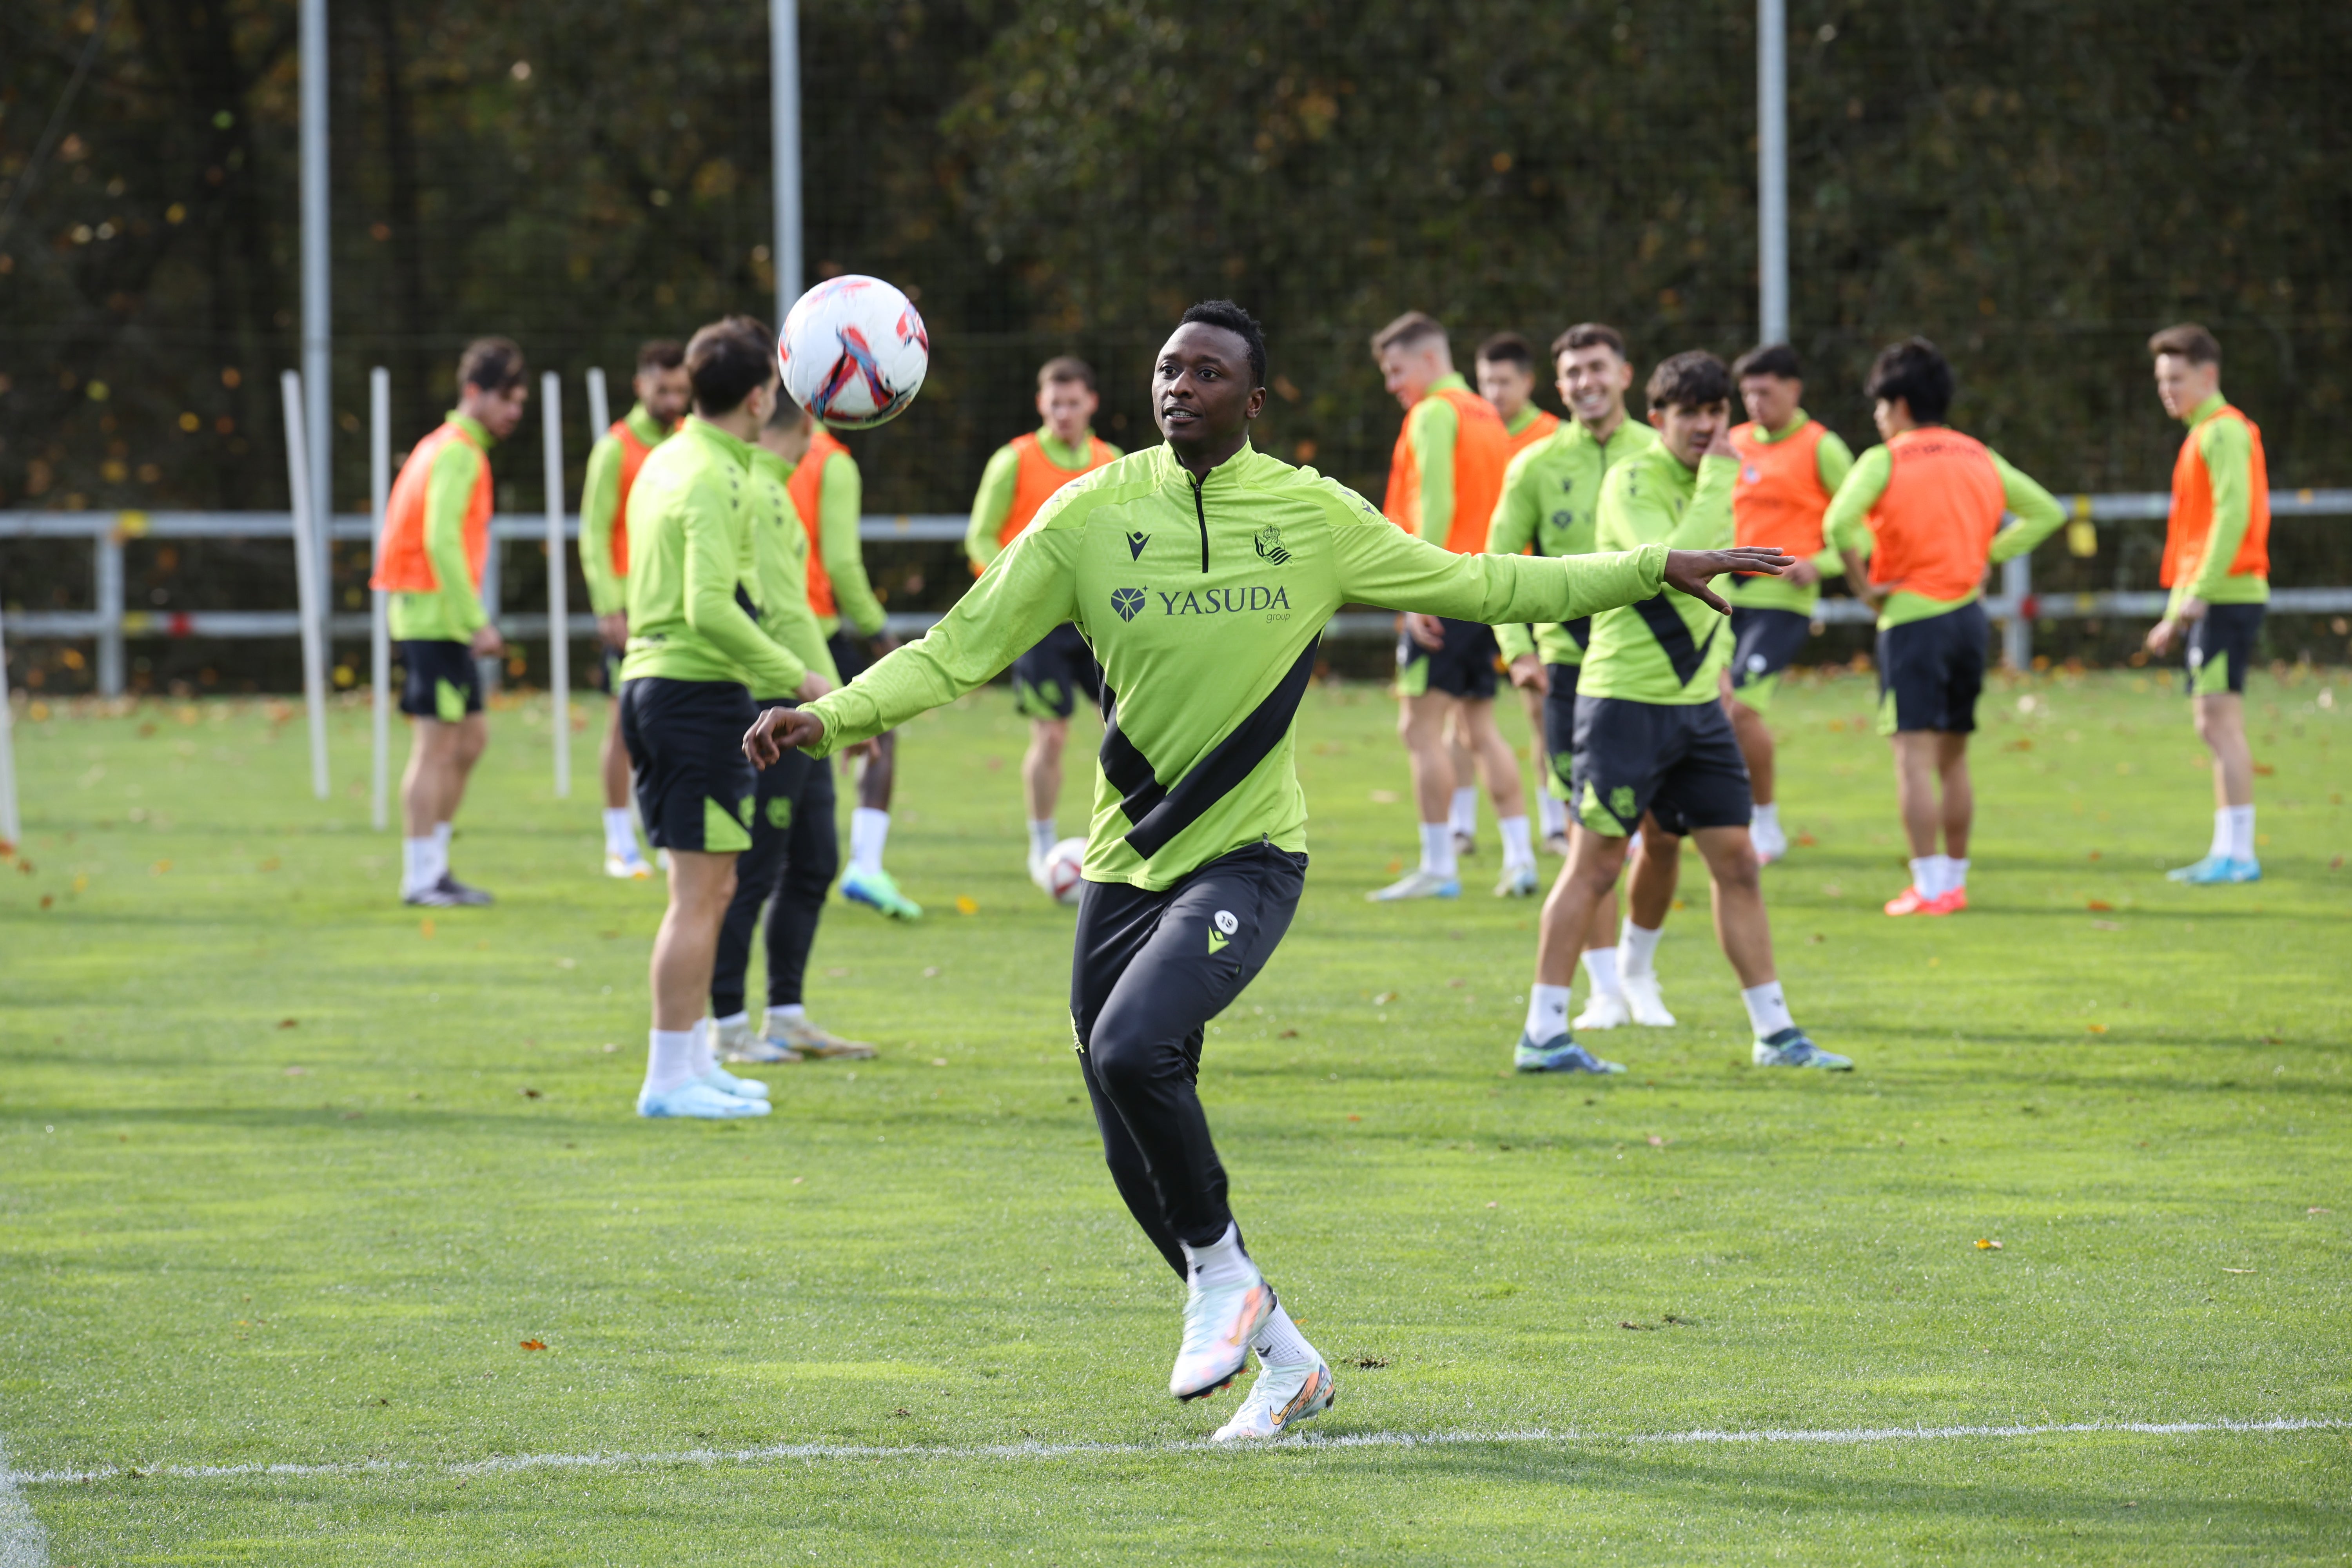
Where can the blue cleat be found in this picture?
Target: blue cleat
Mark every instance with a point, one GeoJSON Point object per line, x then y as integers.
{"type": "Point", "coordinates": [2216, 869]}
{"type": "Point", "coordinates": [1789, 1049]}
{"type": "Point", "coordinates": [1417, 884]}
{"type": "Point", "coordinates": [1560, 1054]}
{"type": "Point", "coordinates": [697, 1099]}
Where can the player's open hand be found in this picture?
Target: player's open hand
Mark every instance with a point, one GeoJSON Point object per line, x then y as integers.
{"type": "Point", "coordinates": [1427, 631]}
{"type": "Point", "coordinates": [778, 731]}
{"type": "Point", "coordinates": [1690, 571]}
{"type": "Point", "coordinates": [1528, 674]}
{"type": "Point", "coordinates": [2160, 637]}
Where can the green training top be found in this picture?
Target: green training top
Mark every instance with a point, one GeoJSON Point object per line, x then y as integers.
{"type": "Point", "coordinates": [1847, 525]}
{"type": "Point", "coordinates": [693, 568]}
{"type": "Point", "coordinates": [781, 546]}
{"type": "Point", "coordinates": [1204, 600]}
{"type": "Point", "coordinates": [1832, 460]}
{"type": "Point", "coordinates": [1432, 426]}
{"type": "Point", "coordinates": [600, 503]}
{"type": "Point", "coordinates": [2229, 454]}
{"type": "Point", "coordinates": [1001, 478]}
{"type": "Point", "coordinates": [1666, 648]}
{"type": "Point", "coordinates": [840, 499]}
{"type": "Point", "coordinates": [1549, 494]}
{"type": "Point", "coordinates": [452, 612]}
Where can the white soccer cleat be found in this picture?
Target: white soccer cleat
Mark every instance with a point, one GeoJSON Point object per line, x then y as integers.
{"type": "Point", "coordinates": [1605, 1010]}
{"type": "Point", "coordinates": [1417, 884]}
{"type": "Point", "coordinates": [1642, 999]}
{"type": "Point", "coordinates": [700, 1101]}
{"type": "Point", "coordinates": [1279, 1400]}
{"type": "Point", "coordinates": [1555, 846]}
{"type": "Point", "coordinates": [1219, 1321]}
{"type": "Point", "coordinates": [1517, 882]}
{"type": "Point", "coordinates": [808, 1042]}
{"type": "Point", "coordinates": [629, 867]}
{"type": "Point", "coordinates": [726, 1082]}
{"type": "Point", "coordinates": [1771, 842]}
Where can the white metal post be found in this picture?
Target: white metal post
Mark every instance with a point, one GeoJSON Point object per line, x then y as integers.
{"type": "Point", "coordinates": [12, 827]}
{"type": "Point", "coordinates": [307, 579]}
{"type": "Point", "coordinates": [785, 116]}
{"type": "Point", "coordinates": [379, 624]}
{"type": "Point", "coordinates": [1772, 169]}
{"type": "Point", "coordinates": [106, 588]}
{"type": "Point", "coordinates": [2017, 634]}
{"type": "Point", "coordinates": [491, 671]}
{"type": "Point", "coordinates": [317, 323]}
{"type": "Point", "coordinates": [600, 413]}
{"type": "Point", "coordinates": [558, 587]}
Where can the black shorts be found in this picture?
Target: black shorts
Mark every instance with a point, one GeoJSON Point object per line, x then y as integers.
{"type": "Point", "coordinates": [1465, 667]}
{"type": "Point", "coordinates": [1764, 642]}
{"type": "Point", "coordinates": [686, 742]}
{"type": "Point", "coordinates": [850, 654]}
{"type": "Point", "coordinates": [1048, 680]}
{"type": "Point", "coordinates": [2221, 647]}
{"type": "Point", "coordinates": [442, 681]}
{"type": "Point", "coordinates": [1560, 726]}
{"type": "Point", "coordinates": [1930, 671]}
{"type": "Point", "coordinates": [1679, 761]}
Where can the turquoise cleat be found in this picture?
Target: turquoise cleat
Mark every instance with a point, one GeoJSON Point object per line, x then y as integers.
{"type": "Point", "coordinates": [1789, 1049]}
{"type": "Point", "coordinates": [2216, 869]}
{"type": "Point", "coordinates": [877, 891]}
{"type": "Point", "coordinates": [697, 1099]}
{"type": "Point", "coordinates": [1558, 1054]}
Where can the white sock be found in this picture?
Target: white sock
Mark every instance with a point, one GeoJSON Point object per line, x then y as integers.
{"type": "Point", "coordinates": [1280, 1344]}
{"type": "Point", "coordinates": [700, 1056]}
{"type": "Point", "coordinates": [1222, 1262]}
{"type": "Point", "coordinates": [1041, 838]}
{"type": "Point", "coordinates": [2242, 831]}
{"type": "Point", "coordinates": [1464, 816]}
{"type": "Point", "coordinates": [868, 831]}
{"type": "Point", "coordinates": [1768, 1010]}
{"type": "Point", "coordinates": [1640, 949]}
{"type": "Point", "coordinates": [441, 843]}
{"type": "Point", "coordinates": [1955, 874]}
{"type": "Point", "coordinates": [778, 1017]}
{"type": "Point", "coordinates": [1601, 968]}
{"type": "Point", "coordinates": [620, 832]}
{"type": "Point", "coordinates": [1766, 816]}
{"type": "Point", "coordinates": [419, 864]}
{"type": "Point", "coordinates": [669, 1059]}
{"type": "Point", "coordinates": [2221, 845]}
{"type": "Point", "coordinates": [735, 1020]}
{"type": "Point", "coordinates": [1437, 849]}
{"type": "Point", "coordinates": [1551, 814]}
{"type": "Point", "coordinates": [1518, 849]}
{"type": "Point", "coordinates": [1546, 1013]}
{"type": "Point", "coordinates": [1923, 875]}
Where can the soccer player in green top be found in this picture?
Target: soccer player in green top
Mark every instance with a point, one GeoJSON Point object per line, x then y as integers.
{"type": "Point", "coordinates": [1552, 495]}
{"type": "Point", "coordinates": [1505, 364]}
{"type": "Point", "coordinates": [1202, 572]}
{"type": "Point", "coordinates": [1651, 735]}
{"type": "Point", "coordinates": [613, 463]}
{"type": "Point", "coordinates": [696, 654]}
{"type": "Point", "coordinates": [2217, 563]}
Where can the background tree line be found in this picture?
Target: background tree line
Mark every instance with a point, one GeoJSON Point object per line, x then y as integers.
{"type": "Point", "coordinates": [2036, 183]}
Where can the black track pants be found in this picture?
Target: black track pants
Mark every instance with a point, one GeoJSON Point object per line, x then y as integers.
{"type": "Point", "coordinates": [1150, 971]}
{"type": "Point", "coordinates": [796, 854]}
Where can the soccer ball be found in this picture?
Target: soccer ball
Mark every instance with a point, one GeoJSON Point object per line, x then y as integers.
{"type": "Point", "coordinates": [1060, 874]}
{"type": "Point", "coordinates": [854, 352]}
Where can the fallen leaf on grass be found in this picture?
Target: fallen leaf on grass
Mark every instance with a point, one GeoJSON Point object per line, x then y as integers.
{"type": "Point", "coordinates": [1494, 1206]}
{"type": "Point", "coordinates": [48, 899]}
{"type": "Point", "coordinates": [2263, 770]}
{"type": "Point", "coordinates": [2274, 1040]}
{"type": "Point", "coordinates": [2317, 1210]}
{"type": "Point", "coordinates": [609, 1048]}
{"type": "Point", "coordinates": [529, 1094]}
{"type": "Point", "coordinates": [534, 1345]}
{"type": "Point", "coordinates": [1816, 939]}
{"type": "Point", "coordinates": [286, 1023]}
{"type": "Point", "coordinates": [1808, 841]}
{"type": "Point", "coordinates": [2228, 1270]}
{"type": "Point", "coordinates": [1371, 1363]}
{"type": "Point", "coordinates": [967, 905]}
{"type": "Point", "coordinates": [2094, 854]}
{"type": "Point", "coordinates": [1384, 998]}
{"type": "Point", "coordinates": [2096, 1028]}
{"type": "Point", "coordinates": [424, 927]}
{"type": "Point", "coordinates": [1385, 798]}
{"type": "Point", "coordinates": [1354, 1118]}
{"type": "Point", "coordinates": [567, 964]}
{"type": "Point", "coordinates": [2107, 925]}
{"type": "Point", "coordinates": [939, 1061]}
{"type": "Point", "coordinates": [1627, 1324]}
{"type": "Point", "coordinates": [1656, 1141]}
{"type": "Point", "coordinates": [296, 1073]}
{"type": "Point", "coordinates": [1986, 1246]}
{"type": "Point", "coordinates": [2097, 904]}
{"type": "Point", "coordinates": [1288, 1035]}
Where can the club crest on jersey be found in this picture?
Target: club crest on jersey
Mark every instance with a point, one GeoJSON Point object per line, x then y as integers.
{"type": "Point", "coordinates": [1135, 544]}
{"type": "Point", "coordinates": [1127, 600]}
{"type": "Point", "coordinates": [1269, 544]}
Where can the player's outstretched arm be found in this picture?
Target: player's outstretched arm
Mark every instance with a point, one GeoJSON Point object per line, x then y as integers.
{"type": "Point", "coordinates": [1386, 568]}
{"type": "Point", "coordinates": [1692, 572]}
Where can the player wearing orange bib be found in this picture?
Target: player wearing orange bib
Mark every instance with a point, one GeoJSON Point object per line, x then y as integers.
{"type": "Point", "coordinates": [1047, 680]}
{"type": "Point", "coordinates": [1443, 478]}
{"type": "Point", "coordinates": [1790, 465]}
{"type": "Point", "coordinates": [662, 392]}
{"type": "Point", "coordinates": [1928, 505]}
{"type": "Point", "coordinates": [436, 539]}
{"type": "Point", "coordinates": [1507, 378]}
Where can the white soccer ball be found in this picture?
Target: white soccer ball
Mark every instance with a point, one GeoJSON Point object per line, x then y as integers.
{"type": "Point", "coordinates": [854, 352]}
{"type": "Point", "coordinates": [1061, 875]}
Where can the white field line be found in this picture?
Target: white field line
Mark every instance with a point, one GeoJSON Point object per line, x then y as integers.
{"type": "Point", "coordinates": [23, 1543]}
{"type": "Point", "coordinates": [11, 1481]}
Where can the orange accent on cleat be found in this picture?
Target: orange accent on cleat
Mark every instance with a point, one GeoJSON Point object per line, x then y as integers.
{"type": "Point", "coordinates": [1910, 901]}
{"type": "Point", "coordinates": [1951, 903]}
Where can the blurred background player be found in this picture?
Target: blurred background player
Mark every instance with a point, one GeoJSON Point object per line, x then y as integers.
{"type": "Point", "coordinates": [1790, 466]}
{"type": "Point", "coordinates": [1651, 734]}
{"type": "Point", "coordinates": [2216, 563]}
{"type": "Point", "coordinates": [1505, 368]}
{"type": "Point", "coordinates": [1444, 477]}
{"type": "Point", "coordinates": [1048, 679]}
{"type": "Point", "coordinates": [696, 654]}
{"type": "Point", "coordinates": [613, 462]}
{"type": "Point", "coordinates": [829, 494]}
{"type": "Point", "coordinates": [796, 842]}
{"type": "Point", "coordinates": [1551, 495]}
{"type": "Point", "coordinates": [436, 537]}
{"type": "Point", "coordinates": [1926, 506]}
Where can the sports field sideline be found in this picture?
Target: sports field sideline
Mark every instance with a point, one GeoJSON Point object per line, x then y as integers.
{"type": "Point", "coordinates": [293, 1177]}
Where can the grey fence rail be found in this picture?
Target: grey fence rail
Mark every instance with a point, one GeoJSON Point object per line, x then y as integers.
{"type": "Point", "coordinates": [111, 623]}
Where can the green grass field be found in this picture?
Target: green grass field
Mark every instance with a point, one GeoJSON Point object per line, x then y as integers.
{"type": "Point", "coordinates": [287, 1175]}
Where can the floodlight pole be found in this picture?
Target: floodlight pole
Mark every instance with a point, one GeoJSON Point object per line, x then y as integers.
{"type": "Point", "coordinates": [558, 587]}
{"type": "Point", "coordinates": [12, 830]}
{"type": "Point", "coordinates": [600, 413]}
{"type": "Point", "coordinates": [309, 580]}
{"type": "Point", "coordinates": [1772, 170]}
{"type": "Point", "coordinates": [379, 628]}
{"type": "Point", "coordinates": [784, 118]}
{"type": "Point", "coordinates": [318, 322]}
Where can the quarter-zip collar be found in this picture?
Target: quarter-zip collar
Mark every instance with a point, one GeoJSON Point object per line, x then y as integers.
{"type": "Point", "coordinates": [736, 451]}
{"type": "Point", "coordinates": [2206, 410]}
{"type": "Point", "coordinates": [474, 430]}
{"type": "Point", "coordinates": [1221, 481]}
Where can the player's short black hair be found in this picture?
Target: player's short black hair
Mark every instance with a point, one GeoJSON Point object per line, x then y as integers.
{"type": "Point", "coordinates": [1585, 334]}
{"type": "Point", "coordinates": [1065, 367]}
{"type": "Point", "coordinates": [1692, 379]}
{"type": "Point", "coordinates": [494, 364]}
{"type": "Point", "coordinates": [1769, 359]}
{"type": "Point", "coordinates": [1915, 372]}
{"type": "Point", "coordinates": [726, 361]}
{"type": "Point", "coordinates": [2190, 341]}
{"type": "Point", "coordinates": [1508, 348]}
{"type": "Point", "coordinates": [1239, 322]}
{"type": "Point", "coordinates": [660, 354]}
